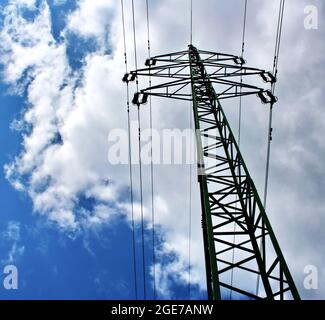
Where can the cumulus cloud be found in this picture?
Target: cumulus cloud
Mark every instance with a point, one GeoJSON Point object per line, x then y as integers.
{"type": "Point", "coordinates": [93, 19]}
{"type": "Point", "coordinates": [70, 113]}
{"type": "Point", "coordinates": [11, 237]}
{"type": "Point", "coordinates": [59, 2]}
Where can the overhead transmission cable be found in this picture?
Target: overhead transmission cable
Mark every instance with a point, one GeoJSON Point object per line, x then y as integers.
{"type": "Point", "coordinates": [239, 128]}
{"type": "Point", "coordinates": [140, 162]}
{"type": "Point", "coordinates": [130, 158]}
{"type": "Point", "coordinates": [275, 72]}
{"type": "Point", "coordinates": [270, 129]}
{"type": "Point", "coordinates": [241, 77]}
{"type": "Point", "coordinates": [190, 212]}
{"type": "Point", "coordinates": [191, 22]}
{"type": "Point", "coordinates": [151, 160]}
{"type": "Point", "coordinates": [190, 178]}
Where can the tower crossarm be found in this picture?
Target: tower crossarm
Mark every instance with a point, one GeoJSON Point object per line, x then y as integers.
{"type": "Point", "coordinates": [226, 71]}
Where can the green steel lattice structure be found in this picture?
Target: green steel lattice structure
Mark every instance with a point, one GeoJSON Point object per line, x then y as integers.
{"type": "Point", "coordinates": [239, 243]}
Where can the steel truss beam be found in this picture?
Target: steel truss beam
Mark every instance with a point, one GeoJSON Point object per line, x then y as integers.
{"type": "Point", "coordinates": [225, 70]}
{"type": "Point", "coordinates": [238, 238]}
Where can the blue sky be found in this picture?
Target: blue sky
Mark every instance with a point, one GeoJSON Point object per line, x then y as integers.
{"type": "Point", "coordinates": [54, 264]}
{"type": "Point", "coordinates": [65, 210]}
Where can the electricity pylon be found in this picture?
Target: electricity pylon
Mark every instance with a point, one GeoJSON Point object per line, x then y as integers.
{"type": "Point", "coordinates": [239, 243]}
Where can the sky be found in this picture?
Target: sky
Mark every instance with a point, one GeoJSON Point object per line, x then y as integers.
{"type": "Point", "coordinates": [66, 218]}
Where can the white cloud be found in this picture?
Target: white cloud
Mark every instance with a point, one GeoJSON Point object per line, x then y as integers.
{"type": "Point", "coordinates": [25, 3]}
{"type": "Point", "coordinates": [59, 2]}
{"type": "Point", "coordinates": [11, 237]}
{"type": "Point", "coordinates": [27, 44]}
{"type": "Point", "coordinates": [92, 19]}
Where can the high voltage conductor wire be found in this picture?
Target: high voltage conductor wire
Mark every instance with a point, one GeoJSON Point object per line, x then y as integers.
{"type": "Point", "coordinates": [191, 22]}
{"type": "Point", "coordinates": [241, 77]}
{"type": "Point", "coordinates": [269, 134]}
{"type": "Point", "coordinates": [130, 158]}
{"type": "Point", "coordinates": [151, 161]}
{"type": "Point", "coordinates": [275, 72]}
{"type": "Point", "coordinates": [190, 179]}
{"type": "Point", "coordinates": [239, 127]}
{"type": "Point", "coordinates": [140, 162]}
{"type": "Point", "coordinates": [190, 214]}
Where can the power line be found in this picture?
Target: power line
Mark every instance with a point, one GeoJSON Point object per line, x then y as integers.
{"type": "Point", "coordinates": [151, 160]}
{"type": "Point", "coordinates": [239, 128]}
{"type": "Point", "coordinates": [135, 42]}
{"type": "Point", "coordinates": [278, 39]}
{"type": "Point", "coordinates": [140, 162]}
{"type": "Point", "coordinates": [130, 158]}
{"type": "Point", "coordinates": [190, 214]}
{"type": "Point", "coordinates": [244, 29]}
{"type": "Point", "coordinates": [275, 72]}
{"type": "Point", "coordinates": [190, 178]}
{"type": "Point", "coordinates": [191, 22]}
{"type": "Point", "coordinates": [270, 129]}
{"type": "Point", "coordinates": [241, 77]}
{"type": "Point", "coordinates": [141, 203]}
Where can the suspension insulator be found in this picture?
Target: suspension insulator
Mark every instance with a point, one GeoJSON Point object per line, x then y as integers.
{"type": "Point", "coordinates": [140, 98]}
{"type": "Point", "coordinates": [239, 60]}
{"type": "Point", "coordinates": [129, 77]}
{"type": "Point", "coordinates": [268, 77]}
{"type": "Point", "coordinates": [144, 98]}
{"type": "Point", "coordinates": [267, 97]}
{"type": "Point", "coordinates": [150, 62]}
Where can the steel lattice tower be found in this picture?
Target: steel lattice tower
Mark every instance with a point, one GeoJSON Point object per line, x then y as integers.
{"type": "Point", "coordinates": [234, 221]}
